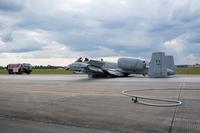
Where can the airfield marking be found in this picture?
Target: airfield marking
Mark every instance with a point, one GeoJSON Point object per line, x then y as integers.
{"type": "Point", "coordinates": [174, 114]}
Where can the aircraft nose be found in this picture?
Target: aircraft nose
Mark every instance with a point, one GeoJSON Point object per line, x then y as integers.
{"type": "Point", "coordinates": [67, 67]}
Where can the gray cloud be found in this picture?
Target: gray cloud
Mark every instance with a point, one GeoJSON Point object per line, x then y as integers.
{"type": "Point", "coordinates": [102, 28]}
{"type": "Point", "coordinates": [11, 5]}
{"type": "Point", "coordinates": [7, 37]}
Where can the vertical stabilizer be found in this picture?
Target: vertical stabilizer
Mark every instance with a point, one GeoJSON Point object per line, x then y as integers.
{"type": "Point", "coordinates": [158, 65]}
{"type": "Point", "coordinates": [170, 63]}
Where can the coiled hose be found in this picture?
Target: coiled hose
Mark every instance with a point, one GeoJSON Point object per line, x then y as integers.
{"type": "Point", "coordinates": [137, 99]}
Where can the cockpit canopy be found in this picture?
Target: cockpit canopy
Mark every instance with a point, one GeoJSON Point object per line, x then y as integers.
{"type": "Point", "coordinates": [82, 60]}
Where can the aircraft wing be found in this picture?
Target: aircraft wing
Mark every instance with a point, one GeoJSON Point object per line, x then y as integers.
{"type": "Point", "coordinates": [115, 72]}
{"type": "Point", "coordinates": [94, 69]}
{"type": "Point", "coordinates": [99, 68]}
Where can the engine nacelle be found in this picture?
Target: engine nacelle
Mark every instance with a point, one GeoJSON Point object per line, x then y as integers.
{"type": "Point", "coordinates": [131, 64]}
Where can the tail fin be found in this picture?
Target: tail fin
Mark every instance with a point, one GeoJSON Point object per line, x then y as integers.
{"type": "Point", "coordinates": [158, 65]}
{"type": "Point", "coordinates": [170, 63]}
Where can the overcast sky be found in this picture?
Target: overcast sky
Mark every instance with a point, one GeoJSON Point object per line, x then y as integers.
{"type": "Point", "coordinates": [58, 31]}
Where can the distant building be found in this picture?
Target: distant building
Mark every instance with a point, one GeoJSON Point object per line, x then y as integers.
{"type": "Point", "coordinates": [185, 66]}
{"type": "Point", "coordinates": [196, 65]}
{"type": "Point", "coordinates": [178, 66]}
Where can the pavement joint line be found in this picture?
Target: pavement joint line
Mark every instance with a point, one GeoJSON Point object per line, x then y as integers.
{"type": "Point", "coordinates": [176, 109]}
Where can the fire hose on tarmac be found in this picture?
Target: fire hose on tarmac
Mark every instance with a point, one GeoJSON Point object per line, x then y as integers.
{"type": "Point", "coordinates": [141, 99]}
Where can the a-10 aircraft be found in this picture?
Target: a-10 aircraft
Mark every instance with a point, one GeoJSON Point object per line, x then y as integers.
{"type": "Point", "coordinates": [160, 66]}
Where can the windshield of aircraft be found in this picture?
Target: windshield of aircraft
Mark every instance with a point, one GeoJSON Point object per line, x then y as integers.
{"type": "Point", "coordinates": [81, 60]}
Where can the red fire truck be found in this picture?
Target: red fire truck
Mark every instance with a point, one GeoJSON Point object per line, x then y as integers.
{"type": "Point", "coordinates": [19, 68]}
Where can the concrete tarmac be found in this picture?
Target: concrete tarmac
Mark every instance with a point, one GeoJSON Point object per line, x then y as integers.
{"type": "Point", "coordinates": [23, 126]}
{"type": "Point", "coordinates": [74, 103]}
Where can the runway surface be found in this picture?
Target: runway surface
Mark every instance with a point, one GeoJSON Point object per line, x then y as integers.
{"type": "Point", "coordinates": [74, 103]}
